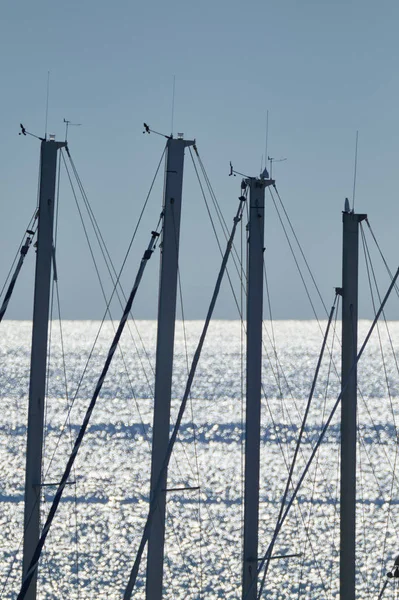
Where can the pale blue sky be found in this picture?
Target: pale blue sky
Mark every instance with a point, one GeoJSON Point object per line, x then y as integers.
{"type": "Point", "coordinates": [323, 69]}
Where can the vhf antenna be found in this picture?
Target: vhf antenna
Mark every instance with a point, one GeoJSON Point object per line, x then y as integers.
{"type": "Point", "coordinates": [69, 124]}
{"type": "Point", "coordinates": [272, 160]}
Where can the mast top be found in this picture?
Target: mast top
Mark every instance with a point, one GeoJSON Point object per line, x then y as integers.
{"type": "Point", "coordinates": [350, 211]}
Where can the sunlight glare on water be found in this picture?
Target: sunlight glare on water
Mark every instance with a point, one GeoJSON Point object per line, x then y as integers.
{"type": "Point", "coordinates": [92, 544]}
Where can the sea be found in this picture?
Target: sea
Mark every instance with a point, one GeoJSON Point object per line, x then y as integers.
{"type": "Point", "coordinates": [94, 538]}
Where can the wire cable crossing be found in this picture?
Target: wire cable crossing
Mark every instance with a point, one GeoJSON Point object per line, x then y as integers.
{"type": "Point", "coordinates": [57, 498]}
{"type": "Point", "coordinates": [157, 490]}
{"type": "Point", "coordinates": [23, 253]}
{"type": "Point", "coordinates": [327, 423]}
{"type": "Point", "coordinates": [298, 443]}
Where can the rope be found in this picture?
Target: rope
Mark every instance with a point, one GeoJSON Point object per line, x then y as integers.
{"type": "Point", "coordinates": [57, 498]}
{"type": "Point", "coordinates": [157, 490]}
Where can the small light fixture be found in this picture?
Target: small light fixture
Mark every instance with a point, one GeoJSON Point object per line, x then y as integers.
{"type": "Point", "coordinates": [52, 137]}
{"type": "Point", "coordinates": [180, 136]}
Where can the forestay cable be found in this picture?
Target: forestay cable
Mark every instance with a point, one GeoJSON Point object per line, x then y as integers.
{"type": "Point", "coordinates": [157, 490]}
{"type": "Point", "coordinates": [57, 498]}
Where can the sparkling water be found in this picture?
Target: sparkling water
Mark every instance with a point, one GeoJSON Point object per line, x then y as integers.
{"type": "Point", "coordinates": [92, 544]}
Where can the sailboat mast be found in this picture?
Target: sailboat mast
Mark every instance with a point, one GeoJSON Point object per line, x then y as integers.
{"type": "Point", "coordinates": [253, 383]}
{"type": "Point", "coordinates": [164, 354]}
{"type": "Point", "coordinates": [350, 256]}
{"type": "Point", "coordinates": [37, 385]}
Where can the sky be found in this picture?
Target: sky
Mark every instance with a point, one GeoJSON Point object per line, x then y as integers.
{"type": "Point", "coordinates": [323, 70]}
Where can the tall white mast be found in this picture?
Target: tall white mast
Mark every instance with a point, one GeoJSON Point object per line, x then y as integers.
{"type": "Point", "coordinates": [164, 354]}
{"type": "Point", "coordinates": [253, 383]}
{"type": "Point", "coordinates": [37, 385]}
{"type": "Point", "coordinates": [350, 256]}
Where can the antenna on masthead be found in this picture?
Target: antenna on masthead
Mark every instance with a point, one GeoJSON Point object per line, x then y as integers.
{"type": "Point", "coordinates": [69, 124]}
{"type": "Point", "coordinates": [272, 160]}
{"type": "Point", "coordinates": [355, 173]}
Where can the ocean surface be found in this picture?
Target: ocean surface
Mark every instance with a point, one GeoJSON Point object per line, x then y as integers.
{"type": "Point", "coordinates": [92, 544]}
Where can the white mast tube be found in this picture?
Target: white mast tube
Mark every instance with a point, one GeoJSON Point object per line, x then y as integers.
{"type": "Point", "coordinates": [37, 385]}
{"type": "Point", "coordinates": [164, 355]}
{"type": "Point", "coordinates": [350, 259]}
{"type": "Point", "coordinates": [253, 385]}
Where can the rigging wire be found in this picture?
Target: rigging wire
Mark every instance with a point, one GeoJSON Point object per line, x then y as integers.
{"type": "Point", "coordinates": [241, 263]}
{"type": "Point", "coordinates": [57, 498]}
{"type": "Point", "coordinates": [21, 252]}
{"type": "Point", "coordinates": [111, 271]}
{"type": "Point", "coordinates": [216, 235]}
{"type": "Point", "coordinates": [91, 352]}
{"type": "Point", "coordinates": [153, 504]}
{"type": "Point", "coordinates": [317, 460]}
{"type": "Point", "coordinates": [300, 249]}
{"type": "Point", "coordinates": [109, 301]}
{"type": "Point", "coordinates": [67, 398]}
{"type": "Point", "coordinates": [110, 266]}
{"type": "Point", "coordinates": [273, 337]}
{"type": "Point", "coordinates": [280, 444]}
{"type": "Point", "coordinates": [240, 270]}
{"type": "Point", "coordinates": [381, 254]}
{"type": "Point", "coordinates": [242, 393]}
{"type": "Point", "coordinates": [299, 440]}
{"type": "Point", "coordinates": [294, 257]}
{"type": "Point", "coordinates": [219, 214]}
{"type": "Point", "coordinates": [141, 213]}
{"type": "Point", "coordinates": [195, 440]}
{"type": "Point", "coordinates": [180, 291]}
{"type": "Point", "coordinates": [370, 270]}
{"type": "Point", "coordinates": [327, 423]}
{"type": "Point", "coordinates": [280, 367]}
{"type": "Point", "coordinates": [106, 256]}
